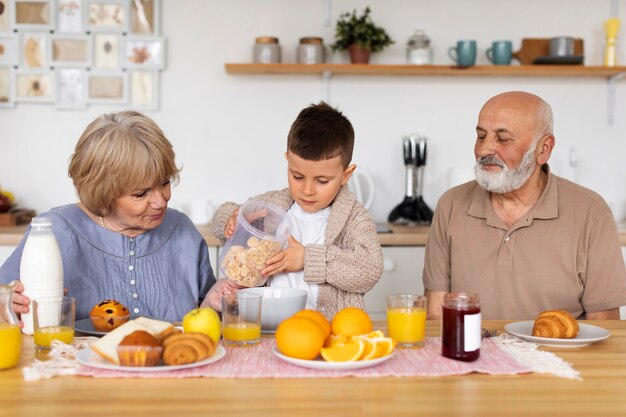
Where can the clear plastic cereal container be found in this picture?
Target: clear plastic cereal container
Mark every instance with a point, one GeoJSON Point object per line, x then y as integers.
{"type": "Point", "coordinates": [261, 232]}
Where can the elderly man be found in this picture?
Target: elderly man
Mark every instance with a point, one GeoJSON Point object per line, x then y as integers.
{"type": "Point", "coordinates": [522, 238]}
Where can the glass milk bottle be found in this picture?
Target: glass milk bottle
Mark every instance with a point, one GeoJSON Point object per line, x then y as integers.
{"type": "Point", "coordinates": [41, 268]}
{"type": "Point", "coordinates": [10, 336]}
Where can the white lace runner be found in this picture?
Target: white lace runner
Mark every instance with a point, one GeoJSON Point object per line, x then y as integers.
{"type": "Point", "coordinates": [62, 360]}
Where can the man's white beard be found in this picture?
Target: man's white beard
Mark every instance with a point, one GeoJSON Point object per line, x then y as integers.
{"type": "Point", "coordinates": [506, 180]}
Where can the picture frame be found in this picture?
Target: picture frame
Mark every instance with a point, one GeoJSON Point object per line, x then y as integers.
{"type": "Point", "coordinates": [9, 47]}
{"type": "Point", "coordinates": [144, 89]}
{"type": "Point", "coordinates": [34, 86]}
{"type": "Point", "coordinates": [7, 86]}
{"type": "Point", "coordinates": [143, 52]}
{"type": "Point", "coordinates": [107, 87]}
{"type": "Point", "coordinates": [71, 91]}
{"type": "Point", "coordinates": [107, 15]}
{"type": "Point", "coordinates": [5, 15]}
{"type": "Point", "coordinates": [145, 17]}
{"type": "Point", "coordinates": [69, 51]}
{"type": "Point", "coordinates": [70, 16]}
{"type": "Point", "coordinates": [33, 50]}
{"type": "Point", "coordinates": [107, 51]}
{"type": "Point", "coordinates": [33, 14]}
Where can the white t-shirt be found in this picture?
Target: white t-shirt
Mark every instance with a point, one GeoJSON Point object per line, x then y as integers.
{"type": "Point", "coordinates": [308, 228]}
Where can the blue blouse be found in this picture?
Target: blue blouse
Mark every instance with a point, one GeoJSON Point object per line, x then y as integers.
{"type": "Point", "coordinates": [162, 273]}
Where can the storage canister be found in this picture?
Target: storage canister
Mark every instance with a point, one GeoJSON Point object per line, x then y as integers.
{"type": "Point", "coordinates": [418, 49]}
{"type": "Point", "coordinates": [266, 50]}
{"type": "Point", "coordinates": [460, 326]}
{"type": "Point", "coordinates": [311, 51]}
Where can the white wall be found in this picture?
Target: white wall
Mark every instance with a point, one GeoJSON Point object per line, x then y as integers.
{"type": "Point", "coordinates": [229, 131]}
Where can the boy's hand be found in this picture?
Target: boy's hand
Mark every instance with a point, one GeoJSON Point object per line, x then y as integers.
{"type": "Point", "coordinates": [222, 287]}
{"type": "Point", "coordinates": [229, 227]}
{"type": "Point", "coordinates": [289, 260]}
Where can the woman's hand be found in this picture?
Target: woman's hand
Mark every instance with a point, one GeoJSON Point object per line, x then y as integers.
{"type": "Point", "coordinates": [222, 287]}
{"type": "Point", "coordinates": [20, 301]}
{"type": "Point", "coordinates": [229, 227]}
{"type": "Point", "coordinates": [289, 260]}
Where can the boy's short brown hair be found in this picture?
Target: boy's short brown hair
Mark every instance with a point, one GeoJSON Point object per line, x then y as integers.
{"type": "Point", "coordinates": [321, 132]}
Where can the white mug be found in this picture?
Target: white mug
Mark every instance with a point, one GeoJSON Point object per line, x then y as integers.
{"type": "Point", "coordinates": [201, 211]}
{"type": "Point", "coordinates": [362, 185]}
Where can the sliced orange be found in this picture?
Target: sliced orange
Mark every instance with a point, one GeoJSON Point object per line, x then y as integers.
{"type": "Point", "coordinates": [335, 339]}
{"type": "Point", "coordinates": [371, 335]}
{"type": "Point", "coordinates": [350, 351]}
{"type": "Point", "coordinates": [370, 350]}
{"type": "Point", "coordinates": [384, 346]}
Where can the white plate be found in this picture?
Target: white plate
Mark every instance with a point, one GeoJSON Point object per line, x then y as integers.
{"type": "Point", "coordinates": [85, 326]}
{"type": "Point", "coordinates": [322, 364]}
{"type": "Point", "coordinates": [587, 335]}
{"type": "Point", "coordinates": [89, 358]}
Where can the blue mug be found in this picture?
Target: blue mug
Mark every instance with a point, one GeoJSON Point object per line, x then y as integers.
{"type": "Point", "coordinates": [464, 53]}
{"type": "Point", "coordinates": [500, 52]}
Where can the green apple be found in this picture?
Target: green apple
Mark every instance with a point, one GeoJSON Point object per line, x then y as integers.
{"type": "Point", "coordinates": [203, 320]}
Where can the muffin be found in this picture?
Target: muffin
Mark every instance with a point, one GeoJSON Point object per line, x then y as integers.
{"type": "Point", "coordinates": [139, 348]}
{"type": "Point", "coordinates": [108, 315]}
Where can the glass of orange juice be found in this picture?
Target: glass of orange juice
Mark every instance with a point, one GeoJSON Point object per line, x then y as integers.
{"type": "Point", "coordinates": [241, 319]}
{"type": "Point", "coordinates": [406, 319]}
{"type": "Point", "coordinates": [53, 319]}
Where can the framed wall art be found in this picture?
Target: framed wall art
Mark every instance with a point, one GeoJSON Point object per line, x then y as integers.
{"type": "Point", "coordinates": [33, 47]}
{"type": "Point", "coordinates": [34, 86]}
{"type": "Point", "coordinates": [70, 51]}
{"type": "Point", "coordinates": [107, 51]}
{"type": "Point", "coordinates": [144, 89]}
{"type": "Point", "coordinates": [145, 53]}
{"type": "Point", "coordinates": [107, 15]}
{"type": "Point", "coordinates": [144, 17]}
{"type": "Point", "coordinates": [69, 16]}
{"type": "Point", "coordinates": [5, 20]}
{"type": "Point", "coordinates": [33, 14]}
{"type": "Point", "coordinates": [70, 88]}
{"type": "Point", "coordinates": [7, 87]}
{"type": "Point", "coordinates": [107, 87]}
{"type": "Point", "coordinates": [8, 50]}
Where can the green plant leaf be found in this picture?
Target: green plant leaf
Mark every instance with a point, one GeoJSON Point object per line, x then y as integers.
{"type": "Point", "coordinates": [352, 28]}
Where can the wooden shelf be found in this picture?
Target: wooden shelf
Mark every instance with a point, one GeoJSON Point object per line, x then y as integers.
{"type": "Point", "coordinates": [430, 70]}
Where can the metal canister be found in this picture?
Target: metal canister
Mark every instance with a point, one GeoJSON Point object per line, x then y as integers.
{"type": "Point", "coordinates": [311, 51]}
{"type": "Point", "coordinates": [266, 50]}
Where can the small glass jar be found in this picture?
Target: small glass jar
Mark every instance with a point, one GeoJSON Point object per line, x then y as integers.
{"type": "Point", "coordinates": [460, 327]}
{"type": "Point", "coordinates": [311, 51]}
{"type": "Point", "coordinates": [266, 50]}
{"type": "Point", "coordinates": [418, 50]}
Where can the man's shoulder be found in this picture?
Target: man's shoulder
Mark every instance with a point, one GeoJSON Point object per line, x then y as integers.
{"type": "Point", "coordinates": [571, 193]}
{"type": "Point", "coordinates": [463, 193]}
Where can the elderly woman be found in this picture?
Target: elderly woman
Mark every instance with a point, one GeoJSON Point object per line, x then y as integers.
{"type": "Point", "coordinates": [121, 241]}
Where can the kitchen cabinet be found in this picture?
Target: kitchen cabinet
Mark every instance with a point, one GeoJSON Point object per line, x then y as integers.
{"type": "Point", "coordinates": [402, 275]}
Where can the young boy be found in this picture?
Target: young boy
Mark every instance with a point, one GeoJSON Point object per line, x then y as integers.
{"type": "Point", "coordinates": [334, 252]}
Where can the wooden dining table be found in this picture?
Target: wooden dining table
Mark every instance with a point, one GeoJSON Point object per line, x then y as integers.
{"type": "Point", "coordinates": [601, 392]}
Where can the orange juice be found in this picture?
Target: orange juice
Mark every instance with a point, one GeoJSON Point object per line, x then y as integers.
{"type": "Point", "coordinates": [44, 336]}
{"type": "Point", "coordinates": [241, 331]}
{"type": "Point", "coordinates": [10, 344]}
{"type": "Point", "coordinates": [406, 324]}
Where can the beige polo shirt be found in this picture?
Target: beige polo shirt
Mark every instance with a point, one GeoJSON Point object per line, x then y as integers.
{"type": "Point", "coordinates": [563, 254]}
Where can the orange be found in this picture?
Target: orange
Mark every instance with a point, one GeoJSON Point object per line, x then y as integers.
{"type": "Point", "coordinates": [335, 339]}
{"type": "Point", "coordinates": [371, 335]}
{"type": "Point", "coordinates": [299, 337]}
{"type": "Point", "coordinates": [370, 349]}
{"type": "Point", "coordinates": [351, 321]}
{"type": "Point", "coordinates": [318, 318]}
{"type": "Point", "coordinates": [351, 351]}
{"type": "Point", "coordinates": [384, 346]}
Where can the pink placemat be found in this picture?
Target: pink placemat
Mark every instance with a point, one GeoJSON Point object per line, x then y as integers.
{"type": "Point", "coordinates": [260, 362]}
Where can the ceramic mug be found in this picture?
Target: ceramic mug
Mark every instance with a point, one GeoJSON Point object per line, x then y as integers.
{"type": "Point", "coordinates": [500, 52]}
{"type": "Point", "coordinates": [464, 53]}
{"type": "Point", "coordinates": [562, 46]}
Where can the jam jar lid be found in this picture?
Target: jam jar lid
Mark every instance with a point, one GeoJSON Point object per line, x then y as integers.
{"type": "Point", "coordinates": [311, 41]}
{"type": "Point", "coordinates": [419, 39]}
{"type": "Point", "coordinates": [266, 39]}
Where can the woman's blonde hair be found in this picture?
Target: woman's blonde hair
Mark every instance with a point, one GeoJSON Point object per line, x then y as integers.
{"type": "Point", "coordinates": [118, 153]}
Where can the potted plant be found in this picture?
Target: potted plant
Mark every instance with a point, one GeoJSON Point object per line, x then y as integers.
{"type": "Point", "coordinates": [360, 36]}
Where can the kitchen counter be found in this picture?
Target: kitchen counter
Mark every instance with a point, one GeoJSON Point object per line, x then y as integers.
{"type": "Point", "coordinates": [400, 236]}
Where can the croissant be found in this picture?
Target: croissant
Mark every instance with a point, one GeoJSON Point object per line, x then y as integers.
{"type": "Point", "coordinates": [555, 324]}
{"type": "Point", "coordinates": [183, 348]}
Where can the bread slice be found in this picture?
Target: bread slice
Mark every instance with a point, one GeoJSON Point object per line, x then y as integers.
{"type": "Point", "coordinates": [106, 346]}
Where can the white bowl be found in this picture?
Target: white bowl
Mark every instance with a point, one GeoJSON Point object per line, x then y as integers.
{"type": "Point", "coordinates": [277, 304]}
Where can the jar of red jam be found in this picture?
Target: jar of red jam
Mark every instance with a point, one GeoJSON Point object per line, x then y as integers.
{"type": "Point", "coordinates": [460, 327]}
